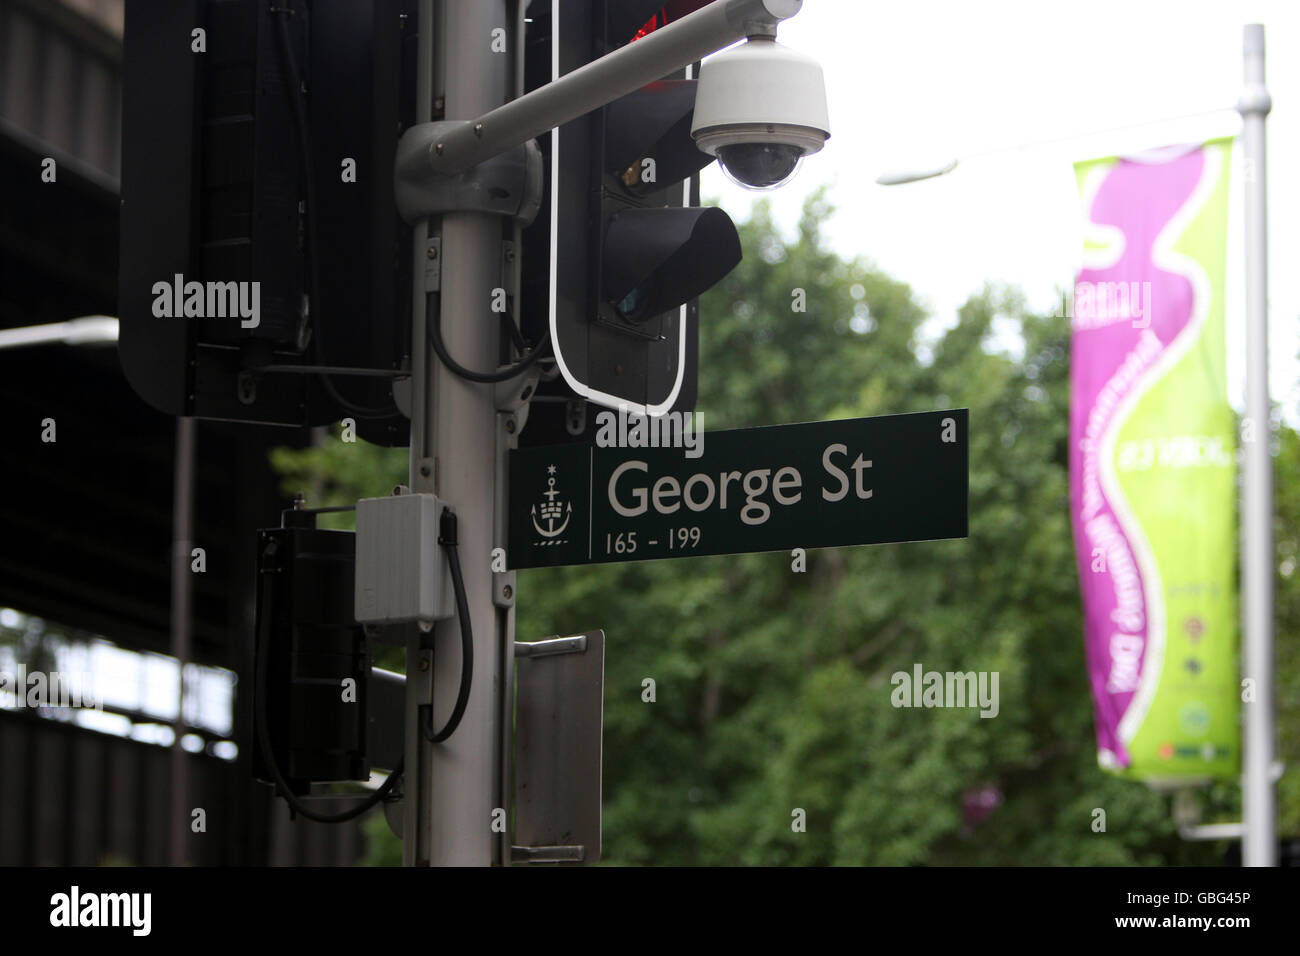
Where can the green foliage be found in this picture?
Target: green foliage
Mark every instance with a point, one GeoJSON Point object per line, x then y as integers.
{"type": "Point", "coordinates": [382, 848]}
{"type": "Point", "coordinates": [333, 472]}
{"type": "Point", "coordinates": [773, 687]}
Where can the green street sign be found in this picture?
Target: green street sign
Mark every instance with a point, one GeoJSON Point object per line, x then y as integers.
{"type": "Point", "coordinates": [814, 485]}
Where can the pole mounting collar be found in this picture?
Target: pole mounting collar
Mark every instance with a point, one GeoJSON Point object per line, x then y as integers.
{"type": "Point", "coordinates": [760, 17]}
{"type": "Point", "coordinates": [508, 184]}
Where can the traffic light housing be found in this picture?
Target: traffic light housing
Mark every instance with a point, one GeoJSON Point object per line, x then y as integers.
{"type": "Point", "coordinates": [308, 648]}
{"type": "Point", "coordinates": [239, 116]}
{"type": "Point", "coordinates": [628, 246]}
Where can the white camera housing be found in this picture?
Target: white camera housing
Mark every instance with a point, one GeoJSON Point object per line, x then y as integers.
{"type": "Point", "coordinates": [760, 107]}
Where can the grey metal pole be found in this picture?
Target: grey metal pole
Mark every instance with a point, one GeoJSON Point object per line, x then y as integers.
{"type": "Point", "coordinates": [419, 662]}
{"type": "Point", "coordinates": [182, 589]}
{"type": "Point", "coordinates": [602, 81]}
{"type": "Point", "coordinates": [452, 788]}
{"type": "Point", "coordinates": [1259, 845]}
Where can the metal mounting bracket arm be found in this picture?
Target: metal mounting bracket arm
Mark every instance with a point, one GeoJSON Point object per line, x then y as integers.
{"type": "Point", "coordinates": [508, 184]}
{"type": "Point", "coordinates": [604, 80]}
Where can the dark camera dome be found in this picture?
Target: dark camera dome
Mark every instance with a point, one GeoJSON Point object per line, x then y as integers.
{"type": "Point", "coordinates": [760, 165]}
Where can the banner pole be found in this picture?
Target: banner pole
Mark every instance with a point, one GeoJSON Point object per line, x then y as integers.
{"type": "Point", "coordinates": [1259, 845]}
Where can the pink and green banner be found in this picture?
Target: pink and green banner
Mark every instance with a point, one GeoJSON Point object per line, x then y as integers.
{"type": "Point", "coordinates": [1153, 464]}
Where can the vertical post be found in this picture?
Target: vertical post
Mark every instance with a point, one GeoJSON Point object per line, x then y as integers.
{"type": "Point", "coordinates": [182, 586]}
{"type": "Point", "coordinates": [1259, 844]}
{"type": "Point", "coordinates": [419, 684]}
{"type": "Point", "coordinates": [452, 788]}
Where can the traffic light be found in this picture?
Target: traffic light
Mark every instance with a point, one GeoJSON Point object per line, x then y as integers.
{"type": "Point", "coordinates": [628, 246]}
{"type": "Point", "coordinates": [259, 239]}
{"type": "Point", "coordinates": [313, 662]}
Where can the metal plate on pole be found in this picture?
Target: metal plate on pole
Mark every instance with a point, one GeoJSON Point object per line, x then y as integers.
{"type": "Point", "coordinates": [560, 703]}
{"type": "Point", "coordinates": [814, 485]}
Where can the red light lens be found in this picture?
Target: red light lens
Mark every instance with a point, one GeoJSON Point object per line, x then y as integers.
{"type": "Point", "coordinates": [651, 26]}
{"type": "Point", "coordinates": [674, 10]}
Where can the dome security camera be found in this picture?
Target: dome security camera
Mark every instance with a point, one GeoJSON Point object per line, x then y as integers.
{"type": "Point", "coordinates": [760, 108]}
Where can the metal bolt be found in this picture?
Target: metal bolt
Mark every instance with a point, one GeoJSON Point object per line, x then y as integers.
{"type": "Point", "coordinates": [510, 426]}
{"type": "Point", "coordinates": [478, 129]}
{"type": "Point", "coordinates": [246, 388]}
{"type": "Point", "coordinates": [510, 254]}
{"type": "Point", "coordinates": [425, 470]}
{"type": "Point", "coordinates": [424, 663]}
{"type": "Point", "coordinates": [508, 592]}
{"type": "Point", "coordinates": [431, 252]}
{"type": "Point", "coordinates": [438, 149]}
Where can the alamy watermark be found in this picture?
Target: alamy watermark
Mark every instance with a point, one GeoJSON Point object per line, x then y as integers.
{"type": "Point", "coordinates": [53, 689]}
{"type": "Point", "coordinates": [133, 911]}
{"type": "Point", "coordinates": [209, 300]}
{"type": "Point", "coordinates": [1098, 304]}
{"type": "Point", "coordinates": [951, 689]}
{"type": "Point", "coordinates": [629, 429]}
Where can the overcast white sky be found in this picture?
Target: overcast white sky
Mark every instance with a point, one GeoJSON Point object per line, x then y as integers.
{"type": "Point", "coordinates": [917, 83]}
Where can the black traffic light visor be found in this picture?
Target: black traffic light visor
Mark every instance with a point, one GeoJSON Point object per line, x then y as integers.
{"type": "Point", "coordinates": [654, 123]}
{"type": "Point", "coordinates": [655, 260]}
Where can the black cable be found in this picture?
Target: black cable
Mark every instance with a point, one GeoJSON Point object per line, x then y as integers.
{"type": "Point", "coordinates": [264, 740]}
{"type": "Point", "coordinates": [293, 84]}
{"type": "Point", "coordinates": [433, 326]}
{"type": "Point", "coordinates": [520, 343]}
{"type": "Point", "coordinates": [447, 538]}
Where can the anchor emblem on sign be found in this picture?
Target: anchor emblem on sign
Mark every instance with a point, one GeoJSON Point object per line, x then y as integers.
{"type": "Point", "coordinates": [552, 510]}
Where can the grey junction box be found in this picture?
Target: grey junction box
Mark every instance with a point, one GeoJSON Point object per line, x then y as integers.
{"type": "Point", "coordinates": [400, 565]}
